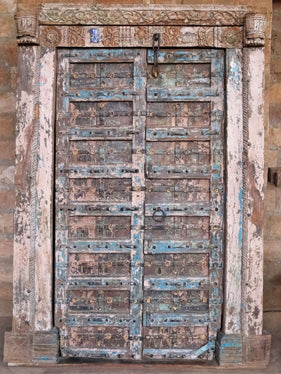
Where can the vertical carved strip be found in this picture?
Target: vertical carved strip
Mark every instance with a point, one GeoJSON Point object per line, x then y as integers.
{"type": "Point", "coordinates": [234, 201]}
{"type": "Point", "coordinates": [253, 250]}
{"type": "Point", "coordinates": [44, 184]}
{"type": "Point", "coordinates": [138, 198]}
{"type": "Point", "coordinates": [24, 179]}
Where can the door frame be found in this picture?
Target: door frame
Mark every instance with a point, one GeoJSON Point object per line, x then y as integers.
{"type": "Point", "coordinates": [34, 339]}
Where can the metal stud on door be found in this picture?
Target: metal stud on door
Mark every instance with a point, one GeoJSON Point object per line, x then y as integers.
{"type": "Point", "coordinates": [139, 210]}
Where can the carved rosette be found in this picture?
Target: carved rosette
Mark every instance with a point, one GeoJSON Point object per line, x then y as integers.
{"type": "Point", "coordinates": [255, 30]}
{"type": "Point", "coordinates": [50, 37]}
{"type": "Point", "coordinates": [27, 28]}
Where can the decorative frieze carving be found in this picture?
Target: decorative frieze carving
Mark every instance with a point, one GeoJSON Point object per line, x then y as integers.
{"type": "Point", "coordinates": [255, 30]}
{"type": "Point", "coordinates": [27, 28]}
{"type": "Point", "coordinates": [131, 36]}
{"type": "Point", "coordinates": [91, 14]}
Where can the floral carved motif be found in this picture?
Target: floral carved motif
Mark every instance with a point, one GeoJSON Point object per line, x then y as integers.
{"type": "Point", "coordinates": [76, 36]}
{"type": "Point", "coordinates": [50, 37]}
{"type": "Point", "coordinates": [126, 16]}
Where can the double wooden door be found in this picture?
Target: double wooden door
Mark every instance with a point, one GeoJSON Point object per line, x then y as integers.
{"type": "Point", "coordinates": [139, 203]}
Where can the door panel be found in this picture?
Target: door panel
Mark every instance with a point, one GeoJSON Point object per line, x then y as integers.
{"type": "Point", "coordinates": [139, 208]}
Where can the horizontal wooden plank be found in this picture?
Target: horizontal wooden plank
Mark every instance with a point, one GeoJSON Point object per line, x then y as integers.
{"type": "Point", "coordinates": [108, 171]}
{"type": "Point", "coordinates": [188, 354]}
{"type": "Point", "coordinates": [161, 210]}
{"type": "Point", "coordinates": [165, 284]}
{"type": "Point", "coordinates": [100, 246]}
{"type": "Point", "coordinates": [98, 133]}
{"type": "Point", "coordinates": [176, 319]}
{"type": "Point", "coordinates": [179, 171]}
{"type": "Point", "coordinates": [93, 320]}
{"type": "Point", "coordinates": [97, 353]}
{"type": "Point", "coordinates": [181, 94]}
{"type": "Point", "coordinates": [172, 246]}
{"type": "Point", "coordinates": [98, 55]}
{"type": "Point", "coordinates": [124, 94]}
{"type": "Point", "coordinates": [184, 56]}
{"type": "Point", "coordinates": [180, 133]}
{"type": "Point", "coordinates": [105, 209]}
{"type": "Point", "coordinates": [106, 283]}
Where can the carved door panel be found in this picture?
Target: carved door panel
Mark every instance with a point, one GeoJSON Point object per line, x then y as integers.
{"type": "Point", "coordinates": [139, 210]}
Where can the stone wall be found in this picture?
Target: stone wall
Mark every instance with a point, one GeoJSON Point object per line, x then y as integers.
{"type": "Point", "coordinates": [8, 79]}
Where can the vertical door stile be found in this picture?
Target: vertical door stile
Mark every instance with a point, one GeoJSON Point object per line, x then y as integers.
{"type": "Point", "coordinates": [138, 197]}
{"type": "Point", "coordinates": [61, 188]}
{"type": "Point", "coordinates": [216, 195]}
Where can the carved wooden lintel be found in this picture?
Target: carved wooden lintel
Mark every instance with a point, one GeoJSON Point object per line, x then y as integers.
{"type": "Point", "coordinates": [254, 30]}
{"type": "Point", "coordinates": [53, 14]}
{"type": "Point", "coordinates": [27, 28]}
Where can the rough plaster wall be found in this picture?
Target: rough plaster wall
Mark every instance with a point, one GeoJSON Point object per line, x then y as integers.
{"type": "Point", "coordinates": [272, 233]}
{"type": "Point", "coordinates": [8, 58]}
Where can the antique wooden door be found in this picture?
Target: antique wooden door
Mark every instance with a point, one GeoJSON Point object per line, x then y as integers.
{"type": "Point", "coordinates": [139, 203]}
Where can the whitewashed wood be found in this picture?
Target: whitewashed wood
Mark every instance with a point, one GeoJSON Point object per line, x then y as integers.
{"type": "Point", "coordinates": [44, 197]}
{"type": "Point", "coordinates": [23, 267]}
{"type": "Point", "coordinates": [234, 193]}
{"type": "Point", "coordinates": [253, 250]}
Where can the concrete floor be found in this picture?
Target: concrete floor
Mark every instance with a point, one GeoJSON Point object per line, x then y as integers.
{"type": "Point", "coordinates": [272, 323]}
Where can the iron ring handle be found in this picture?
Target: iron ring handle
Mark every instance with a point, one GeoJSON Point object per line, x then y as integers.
{"type": "Point", "coordinates": [159, 218]}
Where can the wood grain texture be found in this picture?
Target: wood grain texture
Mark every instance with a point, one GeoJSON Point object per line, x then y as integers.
{"type": "Point", "coordinates": [234, 202]}
{"type": "Point", "coordinates": [23, 267]}
{"type": "Point", "coordinates": [253, 251]}
{"type": "Point", "coordinates": [44, 195]}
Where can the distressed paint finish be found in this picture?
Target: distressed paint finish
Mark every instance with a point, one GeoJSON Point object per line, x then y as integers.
{"type": "Point", "coordinates": [44, 195]}
{"type": "Point", "coordinates": [27, 107]}
{"type": "Point", "coordinates": [91, 134]}
{"type": "Point", "coordinates": [103, 239]}
{"type": "Point", "coordinates": [23, 346]}
{"type": "Point", "coordinates": [234, 201]}
{"type": "Point", "coordinates": [254, 174]}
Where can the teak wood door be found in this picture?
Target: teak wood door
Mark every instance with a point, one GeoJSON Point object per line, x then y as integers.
{"type": "Point", "coordinates": [139, 203]}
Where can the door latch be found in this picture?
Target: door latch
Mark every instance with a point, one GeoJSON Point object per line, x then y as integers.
{"type": "Point", "coordinates": [155, 47]}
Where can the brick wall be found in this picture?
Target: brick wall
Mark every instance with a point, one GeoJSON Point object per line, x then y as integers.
{"type": "Point", "coordinates": [272, 234]}
{"type": "Point", "coordinates": [8, 58]}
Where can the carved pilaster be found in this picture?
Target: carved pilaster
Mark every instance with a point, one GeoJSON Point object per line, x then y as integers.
{"type": "Point", "coordinates": [27, 28]}
{"type": "Point", "coordinates": [254, 30]}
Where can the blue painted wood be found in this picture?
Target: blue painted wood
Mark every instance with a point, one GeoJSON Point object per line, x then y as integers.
{"type": "Point", "coordinates": [179, 283]}
{"type": "Point", "coordinates": [200, 320]}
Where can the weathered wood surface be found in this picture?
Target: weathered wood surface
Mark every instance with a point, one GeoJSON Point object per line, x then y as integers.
{"type": "Point", "coordinates": [44, 195]}
{"type": "Point", "coordinates": [234, 201]}
{"type": "Point", "coordinates": [254, 175]}
{"type": "Point", "coordinates": [26, 158]}
{"type": "Point", "coordinates": [139, 223]}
